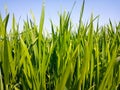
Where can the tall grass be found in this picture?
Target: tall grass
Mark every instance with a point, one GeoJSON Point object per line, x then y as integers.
{"type": "Point", "coordinates": [84, 60]}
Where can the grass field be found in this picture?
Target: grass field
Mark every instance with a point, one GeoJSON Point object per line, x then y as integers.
{"type": "Point", "coordinates": [88, 59]}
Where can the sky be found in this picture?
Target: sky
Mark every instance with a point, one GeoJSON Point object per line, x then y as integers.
{"type": "Point", "coordinates": [21, 8]}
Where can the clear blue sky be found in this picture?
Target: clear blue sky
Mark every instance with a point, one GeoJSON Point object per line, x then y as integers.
{"type": "Point", "coordinates": [105, 8]}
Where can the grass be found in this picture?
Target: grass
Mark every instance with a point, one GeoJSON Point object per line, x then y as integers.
{"type": "Point", "coordinates": [64, 60]}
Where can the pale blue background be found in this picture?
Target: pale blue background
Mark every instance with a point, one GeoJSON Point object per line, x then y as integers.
{"type": "Point", "coordinates": [105, 8]}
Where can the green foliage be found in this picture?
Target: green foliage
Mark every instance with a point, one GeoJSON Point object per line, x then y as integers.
{"type": "Point", "coordinates": [88, 59]}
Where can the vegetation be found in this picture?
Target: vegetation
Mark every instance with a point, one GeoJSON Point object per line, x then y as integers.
{"type": "Point", "coordinates": [88, 59]}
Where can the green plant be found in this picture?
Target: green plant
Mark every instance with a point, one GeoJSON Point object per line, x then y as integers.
{"type": "Point", "coordinates": [84, 60]}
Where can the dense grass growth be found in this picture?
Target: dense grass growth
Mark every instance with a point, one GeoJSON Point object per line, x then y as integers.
{"type": "Point", "coordinates": [88, 59]}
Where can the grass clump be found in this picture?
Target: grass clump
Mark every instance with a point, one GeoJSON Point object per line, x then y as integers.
{"type": "Point", "coordinates": [84, 60]}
